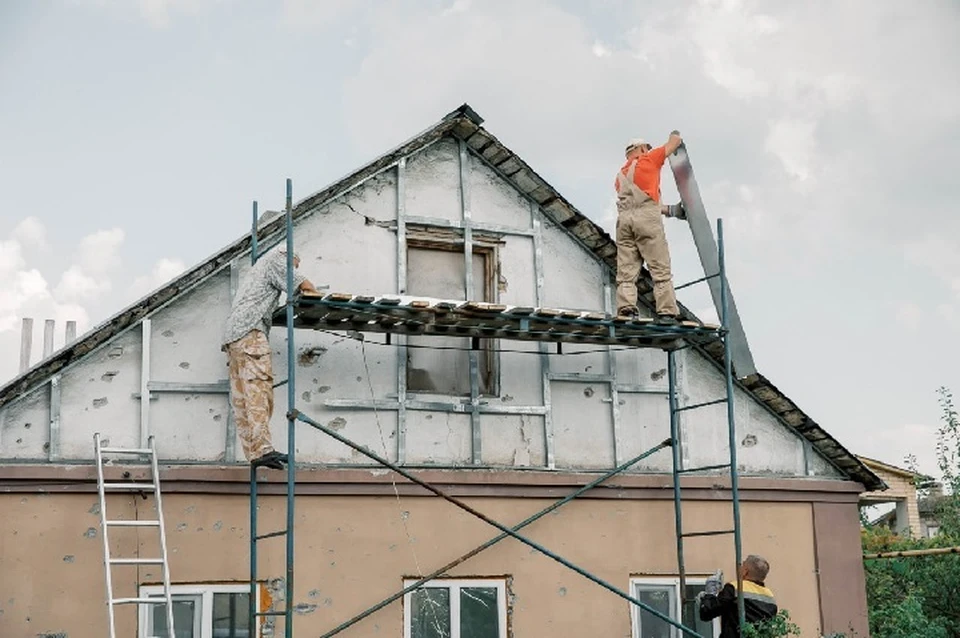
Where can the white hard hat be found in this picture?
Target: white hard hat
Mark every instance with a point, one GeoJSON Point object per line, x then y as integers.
{"type": "Point", "coordinates": [634, 143]}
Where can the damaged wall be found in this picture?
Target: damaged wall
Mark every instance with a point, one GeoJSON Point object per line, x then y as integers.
{"type": "Point", "coordinates": [586, 409]}
{"type": "Point", "coordinates": [355, 550]}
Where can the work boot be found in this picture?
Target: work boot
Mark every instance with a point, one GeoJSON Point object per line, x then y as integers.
{"type": "Point", "coordinates": [667, 320]}
{"type": "Point", "coordinates": [272, 459]}
{"type": "Point", "coordinates": [629, 311]}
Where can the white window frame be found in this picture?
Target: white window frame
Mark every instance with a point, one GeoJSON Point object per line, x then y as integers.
{"type": "Point", "coordinates": [663, 582]}
{"type": "Point", "coordinates": [204, 592]}
{"type": "Point", "coordinates": [455, 585]}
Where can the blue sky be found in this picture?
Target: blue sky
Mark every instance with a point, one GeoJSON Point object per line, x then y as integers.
{"type": "Point", "coordinates": [135, 134]}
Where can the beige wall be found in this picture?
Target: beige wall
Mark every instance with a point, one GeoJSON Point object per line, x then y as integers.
{"type": "Point", "coordinates": [902, 491]}
{"type": "Point", "coordinates": [352, 551]}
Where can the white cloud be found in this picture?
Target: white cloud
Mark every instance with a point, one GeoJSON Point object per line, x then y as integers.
{"type": "Point", "coordinates": [791, 140]}
{"type": "Point", "coordinates": [30, 232]}
{"type": "Point", "coordinates": [729, 37]}
{"type": "Point", "coordinates": [163, 271]}
{"type": "Point", "coordinates": [159, 14]}
{"type": "Point", "coordinates": [97, 253]}
{"type": "Point", "coordinates": [312, 14]}
{"type": "Point", "coordinates": [601, 50]}
{"type": "Point", "coordinates": [97, 263]}
{"type": "Point", "coordinates": [77, 285]}
{"type": "Point", "coordinates": [909, 314]}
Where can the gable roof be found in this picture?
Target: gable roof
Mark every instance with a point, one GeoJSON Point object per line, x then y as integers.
{"type": "Point", "coordinates": [903, 472]}
{"type": "Point", "coordinates": [463, 123]}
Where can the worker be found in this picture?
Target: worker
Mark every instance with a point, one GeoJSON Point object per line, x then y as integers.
{"type": "Point", "coordinates": [758, 601]}
{"type": "Point", "coordinates": [249, 355]}
{"type": "Point", "coordinates": [640, 233]}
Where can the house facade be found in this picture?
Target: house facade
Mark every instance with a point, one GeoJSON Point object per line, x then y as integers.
{"type": "Point", "coordinates": [509, 427]}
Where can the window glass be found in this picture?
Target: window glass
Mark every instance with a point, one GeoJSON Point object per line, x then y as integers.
{"type": "Point", "coordinates": [661, 599]}
{"type": "Point", "coordinates": [430, 613]}
{"type": "Point", "coordinates": [479, 613]}
{"type": "Point", "coordinates": [185, 618]}
{"type": "Point", "coordinates": [691, 616]}
{"type": "Point", "coordinates": [230, 615]}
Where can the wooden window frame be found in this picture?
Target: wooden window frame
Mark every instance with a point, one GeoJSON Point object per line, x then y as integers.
{"type": "Point", "coordinates": [487, 245]}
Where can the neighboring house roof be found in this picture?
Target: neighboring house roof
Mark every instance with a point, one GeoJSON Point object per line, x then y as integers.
{"type": "Point", "coordinates": [465, 124]}
{"type": "Point", "coordinates": [874, 464]}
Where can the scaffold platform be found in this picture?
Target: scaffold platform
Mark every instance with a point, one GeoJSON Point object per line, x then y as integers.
{"type": "Point", "coordinates": [479, 320]}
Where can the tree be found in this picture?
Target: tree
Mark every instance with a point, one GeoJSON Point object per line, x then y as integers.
{"type": "Point", "coordinates": [918, 596]}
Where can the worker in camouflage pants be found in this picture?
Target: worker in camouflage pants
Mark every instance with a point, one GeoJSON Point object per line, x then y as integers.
{"type": "Point", "coordinates": [247, 345]}
{"type": "Point", "coordinates": [640, 234]}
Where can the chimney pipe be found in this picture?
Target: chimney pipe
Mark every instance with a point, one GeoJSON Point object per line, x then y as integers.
{"type": "Point", "coordinates": [71, 333]}
{"type": "Point", "coordinates": [26, 341]}
{"type": "Point", "coordinates": [48, 327]}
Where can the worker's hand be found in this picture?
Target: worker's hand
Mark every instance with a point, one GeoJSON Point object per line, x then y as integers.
{"type": "Point", "coordinates": [307, 286]}
{"type": "Point", "coordinates": [714, 584]}
{"type": "Point", "coordinates": [674, 210]}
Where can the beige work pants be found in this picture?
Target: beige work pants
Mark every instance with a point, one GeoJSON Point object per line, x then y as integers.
{"type": "Point", "coordinates": [251, 392]}
{"type": "Point", "coordinates": [641, 238]}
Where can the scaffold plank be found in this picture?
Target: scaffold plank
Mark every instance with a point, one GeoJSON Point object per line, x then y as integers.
{"type": "Point", "coordinates": [424, 316]}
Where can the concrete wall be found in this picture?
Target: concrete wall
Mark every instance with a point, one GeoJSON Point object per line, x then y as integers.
{"type": "Point", "coordinates": [352, 551]}
{"type": "Point", "coordinates": [587, 409]}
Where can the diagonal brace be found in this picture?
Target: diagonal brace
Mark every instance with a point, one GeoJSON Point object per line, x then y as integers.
{"type": "Point", "coordinates": [486, 519]}
{"type": "Point", "coordinates": [493, 541]}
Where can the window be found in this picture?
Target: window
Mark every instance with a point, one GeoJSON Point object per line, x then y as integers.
{"type": "Point", "coordinates": [456, 609]}
{"type": "Point", "coordinates": [663, 594]}
{"type": "Point", "coordinates": [199, 611]}
{"type": "Point", "coordinates": [437, 269]}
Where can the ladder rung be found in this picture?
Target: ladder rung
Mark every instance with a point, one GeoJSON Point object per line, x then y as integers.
{"type": "Point", "coordinates": [129, 486]}
{"type": "Point", "coordinates": [138, 601]}
{"type": "Point", "coordinates": [282, 532]}
{"type": "Point", "coordinates": [701, 405]}
{"type": "Point", "coordinates": [133, 523]}
{"type": "Point", "coordinates": [120, 450]}
{"type": "Point", "coordinates": [136, 561]}
{"type": "Point", "coordinates": [722, 466]}
{"type": "Point", "coordinates": [719, 532]}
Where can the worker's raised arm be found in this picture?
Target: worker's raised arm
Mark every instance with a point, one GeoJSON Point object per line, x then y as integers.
{"type": "Point", "coordinates": [673, 143]}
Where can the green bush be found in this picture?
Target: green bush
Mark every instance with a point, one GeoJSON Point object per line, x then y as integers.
{"type": "Point", "coordinates": [777, 627]}
{"type": "Point", "coordinates": [915, 597]}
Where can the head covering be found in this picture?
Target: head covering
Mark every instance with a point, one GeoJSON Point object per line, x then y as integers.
{"type": "Point", "coordinates": [634, 144]}
{"type": "Point", "coordinates": [282, 249]}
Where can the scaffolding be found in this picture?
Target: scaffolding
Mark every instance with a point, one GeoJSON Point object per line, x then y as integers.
{"type": "Point", "coordinates": [476, 321]}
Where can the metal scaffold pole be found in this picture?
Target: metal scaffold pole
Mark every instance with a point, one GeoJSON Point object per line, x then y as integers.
{"type": "Point", "coordinates": [291, 415]}
{"type": "Point", "coordinates": [731, 422]}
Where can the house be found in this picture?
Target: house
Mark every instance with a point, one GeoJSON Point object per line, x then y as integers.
{"type": "Point", "coordinates": [543, 424]}
{"type": "Point", "coordinates": [916, 497]}
{"type": "Point", "coordinates": [904, 518]}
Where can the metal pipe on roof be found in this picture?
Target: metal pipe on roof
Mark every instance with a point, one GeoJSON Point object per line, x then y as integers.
{"type": "Point", "coordinates": [48, 327]}
{"type": "Point", "coordinates": [26, 343]}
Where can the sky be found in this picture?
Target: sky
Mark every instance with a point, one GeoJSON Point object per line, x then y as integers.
{"type": "Point", "coordinates": [134, 135]}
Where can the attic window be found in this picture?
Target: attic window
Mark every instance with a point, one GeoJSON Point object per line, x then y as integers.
{"type": "Point", "coordinates": [436, 268]}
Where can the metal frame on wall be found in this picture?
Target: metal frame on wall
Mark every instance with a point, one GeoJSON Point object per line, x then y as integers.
{"type": "Point", "coordinates": [475, 408]}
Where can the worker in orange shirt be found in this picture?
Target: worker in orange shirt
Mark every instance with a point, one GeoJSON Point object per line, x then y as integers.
{"type": "Point", "coordinates": [640, 234]}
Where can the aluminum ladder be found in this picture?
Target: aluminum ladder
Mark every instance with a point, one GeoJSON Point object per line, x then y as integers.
{"type": "Point", "coordinates": [105, 524]}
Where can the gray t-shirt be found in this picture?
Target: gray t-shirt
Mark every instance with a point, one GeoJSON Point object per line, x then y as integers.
{"type": "Point", "coordinates": [258, 296]}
